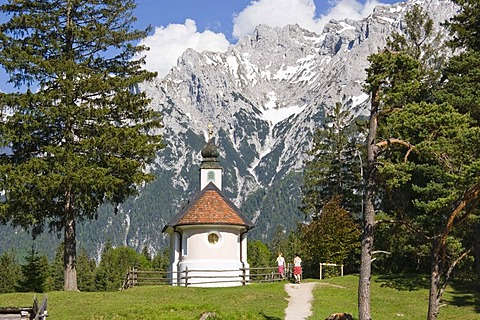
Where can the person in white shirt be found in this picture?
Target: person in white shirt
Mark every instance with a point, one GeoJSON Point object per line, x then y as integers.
{"type": "Point", "coordinates": [297, 268]}
{"type": "Point", "coordinates": [281, 265]}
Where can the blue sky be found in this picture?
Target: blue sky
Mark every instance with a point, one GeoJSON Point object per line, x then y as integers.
{"type": "Point", "coordinates": [215, 24]}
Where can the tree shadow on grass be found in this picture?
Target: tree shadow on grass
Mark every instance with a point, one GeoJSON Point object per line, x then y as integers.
{"type": "Point", "coordinates": [405, 282]}
{"type": "Point", "coordinates": [465, 294]}
{"type": "Point", "coordinates": [270, 317]}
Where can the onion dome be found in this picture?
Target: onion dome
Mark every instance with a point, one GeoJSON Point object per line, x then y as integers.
{"type": "Point", "coordinates": [210, 150]}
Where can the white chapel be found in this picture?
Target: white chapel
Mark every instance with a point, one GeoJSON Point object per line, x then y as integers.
{"type": "Point", "coordinates": [208, 236]}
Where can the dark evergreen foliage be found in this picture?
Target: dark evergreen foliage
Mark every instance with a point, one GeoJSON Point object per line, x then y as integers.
{"type": "Point", "coordinates": [57, 271]}
{"type": "Point", "coordinates": [429, 170]}
{"type": "Point", "coordinates": [461, 84]}
{"type": "Point", "coordinates": [162, 260]}
{"type": "Point", "coordinates": [86, 267]}
{"type": "Point", "coordinates": [336, 165]}
{"type": "Point", "coordinates": [465, 25]}
{"type": "Point", "coordinates": [258, 255]}
{"type": "Point", "coordinates": [10, 272]}
{"type": "Point", "coordinates": [114, 265]}
{"type": "Point", "coordinates": [80, 134]}
{"type": "Point", "coordinates": [279, 205]}
{"type": "Point", "coordinates": [461, 78]}
{"type": "Point", "coordinates": [34, 272]}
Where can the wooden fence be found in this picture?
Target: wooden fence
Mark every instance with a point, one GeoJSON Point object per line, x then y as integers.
{"type": "Point", "coordinates": [330, 265]}
{"type": "Point", "coordinates": [137, 277]}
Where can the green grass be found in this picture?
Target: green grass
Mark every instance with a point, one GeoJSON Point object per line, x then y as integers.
{"type": "Point", "coordinates": [256, 301]}
{"type": "Point", "coordinates": [403, 298]}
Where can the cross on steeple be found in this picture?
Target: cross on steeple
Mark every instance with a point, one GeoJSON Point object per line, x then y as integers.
{"type": "Point", "coordinates": [210, 170]}
{"type": "Point", "coordinates": [210, 131]}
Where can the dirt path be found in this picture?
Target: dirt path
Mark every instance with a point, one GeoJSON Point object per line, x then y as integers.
{"type": "Point", "coordinates": [299, 302]}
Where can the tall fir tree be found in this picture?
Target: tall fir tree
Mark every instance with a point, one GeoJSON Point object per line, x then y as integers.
{"type": "Point", "coordinates": [425, 43]}
{"type": "Point", "coordinates": [86, 272]}
{"type": "Point", "coordinates": [114, 266]}
{"type": "Point", "coordinates": [335, 164]}
{"type": "Point", "coordinates": [461, 81]}
{"type": "Point", "coordinates": [34, 272]}
{"type": "Point", "coordinates": [57, 269]}
{"type": "Point", "coordinates": [461, 78]}
{"type": "Point", "coordinates": [77, 133]}
{"type": "Point", "coordinates": [10, 272]}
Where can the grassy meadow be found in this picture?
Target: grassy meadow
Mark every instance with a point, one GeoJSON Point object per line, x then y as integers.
{"type": "Point", "coordinates": [392, 298]}
{"type": "Point", "coordinates": [395, 297]}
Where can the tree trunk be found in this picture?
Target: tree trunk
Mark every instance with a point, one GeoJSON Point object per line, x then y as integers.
{"type": "Point", "coordinates": [366, 263]}
{"type": "Point", "coordinates": [70, 254]}
{"type": "Point", "coordinates": [368, 217]}
{"type": "Point", "coordinates": [476, 251]}
{"type": "Point", "coordinates": [434, 300]}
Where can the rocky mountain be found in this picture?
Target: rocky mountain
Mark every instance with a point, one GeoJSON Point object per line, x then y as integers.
{"type": "Point", "coordinates": [265, 96]}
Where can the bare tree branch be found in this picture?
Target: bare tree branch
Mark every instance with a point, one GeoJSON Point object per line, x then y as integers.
{"type": "Point", "coordinates": [409, 226]}
{"type": "Point", "coordinates": [450, 269]}
{"type": "Point", "coordinates": [388, 142]}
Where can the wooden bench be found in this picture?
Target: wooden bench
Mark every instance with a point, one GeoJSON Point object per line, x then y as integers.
{"type": "Point", "coordinates": [31, 313]}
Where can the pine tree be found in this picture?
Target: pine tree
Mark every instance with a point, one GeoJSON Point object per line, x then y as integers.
{"type": "Point", "coordinates": [258, 255]}
{"type": "Point", "coordinates": [86, 272]}
{"type": "Point", "coordinates": [161, 261]}
{"type": "Point", "coordinates": [34, 272]}
{"type": "Point", "coordinates": [146, 254]}
{"type": "Point", "coordinates": [57, 269]}
{"type": "Point", "coordinates": [114, 266]}
{"type": "Point", "coordinates": [393, 79]}
{"type": "Point", "coordinates": [436, 188]}
{"type": "Point", "coordinates": [461, 78]}
{"type": "Point", "coordinates": [10, 272]}
{"type": "Point", "coordinates": [430, 147]}
{"type": "Point", "coordinates": [278, 242]}
{"type": "Point", "coordinates": [461, 82]}
{"type": "Point", "coordinates": [424, 43]}
{"type": "Point", "coordinates": [335, 165]}
{"type": "Point", "coordinates": [465, 24]}
{"type": "Point", "coordinates": [77, 133]}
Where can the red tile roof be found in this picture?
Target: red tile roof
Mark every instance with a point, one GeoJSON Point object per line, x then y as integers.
{"type": "Point", "coordinates": [209, 207]}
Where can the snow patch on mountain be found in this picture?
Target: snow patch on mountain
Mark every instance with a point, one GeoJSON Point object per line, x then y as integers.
{"type": "Point", "coordinates": [265, 96]}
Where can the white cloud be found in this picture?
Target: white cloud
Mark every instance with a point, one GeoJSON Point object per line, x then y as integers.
{"type": "Point", "coordinates": [168, 43]}
{"type": "Point", "coordinates": [278, 13]}
{"type": "Point", "coordinates": [275, 13]}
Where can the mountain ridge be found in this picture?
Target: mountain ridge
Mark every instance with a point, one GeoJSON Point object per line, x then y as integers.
{"type": "Point", "coordinates": [265, 97]}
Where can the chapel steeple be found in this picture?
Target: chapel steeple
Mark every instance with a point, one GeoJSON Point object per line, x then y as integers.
{"type": "Point", "coordinates": [210, 170]}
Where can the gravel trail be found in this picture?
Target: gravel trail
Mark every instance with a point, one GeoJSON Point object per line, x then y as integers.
{"type": "Point", "coordinates": [299, 302]}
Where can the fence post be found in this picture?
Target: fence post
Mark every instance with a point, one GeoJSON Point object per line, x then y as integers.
{"type": "Point", "coordinates": [321, 264]}
{"type": "Point", "coordinates": [341, 271]}
{"type": "Point", "coordinates": [134, 275]}
{"type": "Point", "coordinates": [186, 276]}
{"type": "Point", "coordinates": [131, 275]}
{"type": "Point", "coordinates": [244, 275]}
